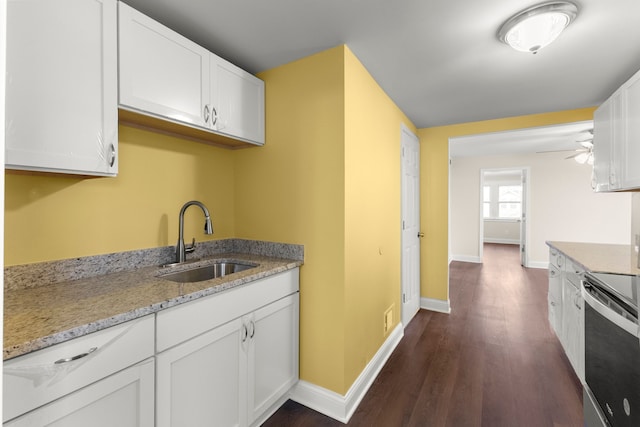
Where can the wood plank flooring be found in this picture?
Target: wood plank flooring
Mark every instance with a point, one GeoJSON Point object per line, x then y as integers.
{"type": "Point", "coordinates": [494, 361]}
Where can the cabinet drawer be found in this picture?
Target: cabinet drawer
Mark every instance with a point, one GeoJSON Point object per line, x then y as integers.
{"type": "Point", "coordinates": [183, 322]}
{"type": "Point", "coordinates": [556, 259]}
{"type": "Point", "coordinates": [124, 399]}
{"type": "Point", "coordinates": [35, 379]}
{"type": "Point", "coordinates": [573, 272]}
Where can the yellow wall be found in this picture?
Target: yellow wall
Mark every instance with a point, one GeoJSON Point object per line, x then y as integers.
{"type": "Point", "coordinates": [372, 214]}
{"type": "Point", "coordinates": [291, 190]}
{"type": "Point", "coordinates": [329, 178]}
{"type": "Point", "coordinates": [51, 217]}
{"type": "Point", "coordinates": [434, 157]}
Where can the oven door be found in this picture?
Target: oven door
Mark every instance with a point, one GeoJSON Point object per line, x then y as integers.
{"type": "Point", "coordinates": [612, 356]}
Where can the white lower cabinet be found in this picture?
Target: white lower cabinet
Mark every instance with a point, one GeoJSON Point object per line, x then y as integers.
{"type": "Point", "coordinates": [124, 399]}
{"type": "Point", "coordinates": [272, 349]}
{"type": "Point", "coordinates": [227, 359]}
{"type": "Point", "coordinates": [566, 307]}
{"type": "Point", "coordinates": [199, 381]}
{"type": "Point", "coordinates": [99, 377]}
{"type": "Point", "coordinates": [573, 327]}
{"type": "Point", "coordinates": [238, 372]}
{"type": "Point", "coordinates": [555, 300]}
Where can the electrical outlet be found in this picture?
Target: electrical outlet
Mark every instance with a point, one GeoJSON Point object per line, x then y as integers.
{"type": "Point", "coordinates": [388, 319]}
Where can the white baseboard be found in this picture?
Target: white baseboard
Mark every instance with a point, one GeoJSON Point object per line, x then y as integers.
{"type": "Point", "coordinates": [441, 306]}
{"type": "Point", "coordinates": [538, 264]}
{"type": "Point", "coordinates": [502, 241]}
{"type": "Point", "coordinates": [341, 407]}
{"type": "Point", "coordinates": [466, 258]}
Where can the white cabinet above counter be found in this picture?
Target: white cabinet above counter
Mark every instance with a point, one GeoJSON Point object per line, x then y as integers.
{"type": "Point", "coordinates": [62, 82]}
{"type": "Point", "coordinates": [164, 77]}
{"type": "Point", "coordinates": [616, 139]}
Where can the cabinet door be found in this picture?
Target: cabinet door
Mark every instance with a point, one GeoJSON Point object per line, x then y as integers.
{"type": "Point", "coordinates": [199, 381]}
{"type": "Point", "coordinates": [573, 328]}
{"type": "Point", "coordinates": [602, 145]}
{"type": "Point", "coordinates": [161, 72]}
{"type": "Point", "coordinates": [273, 355]}
{"type": "Point", "coordinates": [61, 86]}
{"type": "Point", "coordinates": [631, 132]}
{"type": "Point", "coordinates": [238, 100]}
{"type": "Point", "coordinates": [124, 399]}
{"type": "Point", "coordinates": [580, 350]}
{"type": "Point", "coordinates": [555, 299]}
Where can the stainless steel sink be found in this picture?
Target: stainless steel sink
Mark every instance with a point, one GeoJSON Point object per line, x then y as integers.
{"type": "Point", "coordinates": [212, 271]}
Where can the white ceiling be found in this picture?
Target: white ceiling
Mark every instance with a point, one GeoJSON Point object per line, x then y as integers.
{"type": "Point", "coordinates": [439, 60]}
{"type": "Point", "coordinates": [562, 137]}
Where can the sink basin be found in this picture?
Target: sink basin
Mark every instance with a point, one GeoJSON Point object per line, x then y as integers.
{"type": "Point", "coordinates": [207, 272]}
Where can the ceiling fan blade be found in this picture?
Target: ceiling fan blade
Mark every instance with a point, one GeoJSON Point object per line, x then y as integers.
{"type": "Point", "coordinates": [576, 154]}
{"type": "Point", "coordinates": [552, 151]}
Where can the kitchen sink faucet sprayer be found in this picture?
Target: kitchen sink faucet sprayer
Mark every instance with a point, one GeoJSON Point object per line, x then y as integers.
{"type": "Point", "coordinates": [181, 249]}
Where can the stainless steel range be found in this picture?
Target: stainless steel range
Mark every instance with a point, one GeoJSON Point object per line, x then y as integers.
{"type": "Point", "coordinates": [612, 350]}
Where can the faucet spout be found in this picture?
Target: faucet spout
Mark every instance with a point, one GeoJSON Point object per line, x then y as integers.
{"type": "Point", "coordinates": [181, 250]}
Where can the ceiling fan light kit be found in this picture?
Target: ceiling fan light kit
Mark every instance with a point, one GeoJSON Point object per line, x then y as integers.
{"type": "Point", "coordinates": [536, 27]}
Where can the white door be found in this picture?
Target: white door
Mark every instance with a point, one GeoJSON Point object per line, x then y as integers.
{"type": "Point", "coordinates": [410, 225]}
{"type": "Point", "coordinates": [523, 219]}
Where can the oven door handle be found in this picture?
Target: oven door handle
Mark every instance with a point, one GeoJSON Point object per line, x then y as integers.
{"type": "Point", "coordinates": [606, 312]}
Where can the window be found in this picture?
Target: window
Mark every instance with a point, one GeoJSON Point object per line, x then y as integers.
{"type": "Point", "coordinates": [502, 201]}
{"type": "Point", "coordinates": [509, 201]}
{"type": "Point", "coordinates": [486, 201]}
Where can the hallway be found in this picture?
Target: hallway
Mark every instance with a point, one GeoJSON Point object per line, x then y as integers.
{"type": "Point", "coordinates": [493, 361]}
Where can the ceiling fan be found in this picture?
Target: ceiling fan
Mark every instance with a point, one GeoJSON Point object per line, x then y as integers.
{"type": "Point", "coordinates": [584, 154]}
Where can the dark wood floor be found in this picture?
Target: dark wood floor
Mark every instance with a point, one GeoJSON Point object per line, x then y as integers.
{"type": "Point", "coordinates": [493, 361]}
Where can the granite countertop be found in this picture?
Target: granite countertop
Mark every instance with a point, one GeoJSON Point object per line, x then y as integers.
{"type": "Point", "coordinates": [36, 317]}
{"type": "Point", "coordinates": [601, 258]}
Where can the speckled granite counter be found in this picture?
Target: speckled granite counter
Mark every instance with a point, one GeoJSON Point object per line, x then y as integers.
{"type": "Point", "coordinates": [48, 312]}
{"type": "Point", "coordinates": [603, 258]}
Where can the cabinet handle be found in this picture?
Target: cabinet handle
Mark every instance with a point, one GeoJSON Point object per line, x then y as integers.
{"type": "Point", "coordinates": [112, 155]}
{"type": "Point", "coordinates": [214, 116]}
{"type": "Point", "coordinates": [253, 329]}
{"type": "Point", "coordinates": [76, 357]}
{"type": "Point", "coordinates": [245, 332]}
{"type": "Point", "coordinates": [206, 114]}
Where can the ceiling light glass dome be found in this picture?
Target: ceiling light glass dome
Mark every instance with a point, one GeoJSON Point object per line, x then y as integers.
{"type": "Point", "coordinates": [536, 27]}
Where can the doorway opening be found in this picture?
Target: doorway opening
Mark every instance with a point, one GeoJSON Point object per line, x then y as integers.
{"type": "Point", "coordinates": [504, 209]}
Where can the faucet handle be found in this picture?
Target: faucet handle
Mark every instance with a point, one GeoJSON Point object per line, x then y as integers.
{"type": "Point", "coordinates": [192, 247]}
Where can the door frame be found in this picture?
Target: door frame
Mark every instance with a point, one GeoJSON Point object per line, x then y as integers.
{"type": "Point", "coordinates": [525, 171]}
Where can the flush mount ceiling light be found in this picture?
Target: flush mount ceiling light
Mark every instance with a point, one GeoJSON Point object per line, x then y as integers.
{"type": "Point", "coordinates": [536, 27]}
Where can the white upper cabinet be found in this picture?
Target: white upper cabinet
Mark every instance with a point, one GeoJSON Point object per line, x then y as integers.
{"type": "Point", "coordinates": [161, 72]}
{"type": "Point", "coordinates": [616, 143]}
{"type": "Point", "coordinates": [602, 145]}
{"type": "Point", "coordinates": [631, 123]}
{"type": "Point", "coordinates": [166, 76]}
{"type": "Point", "coordinates": [61, 86]}
{"type": "Point", "coordinates": [238, 100]}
